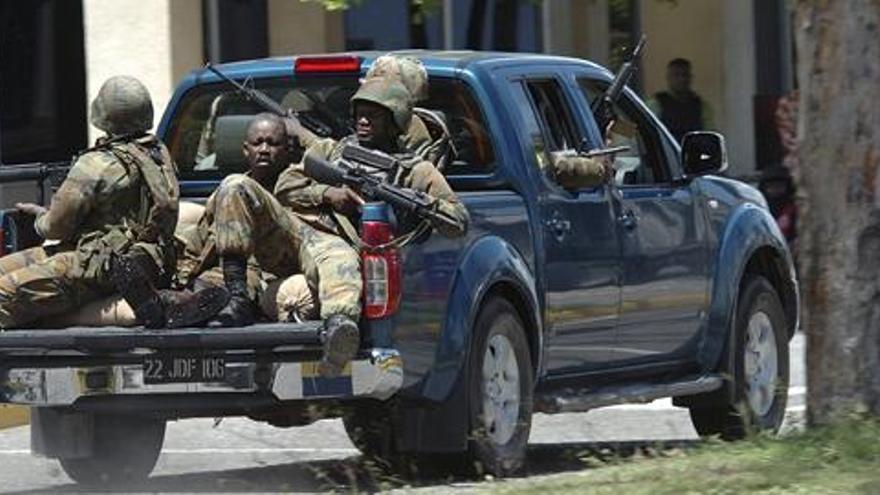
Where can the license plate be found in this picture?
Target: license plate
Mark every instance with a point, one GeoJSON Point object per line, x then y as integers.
{"type": "Point", "coordinates": [184, 368]}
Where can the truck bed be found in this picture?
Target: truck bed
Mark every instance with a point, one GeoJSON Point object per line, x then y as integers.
{"type": "Point", "coordinates": [275, 362]}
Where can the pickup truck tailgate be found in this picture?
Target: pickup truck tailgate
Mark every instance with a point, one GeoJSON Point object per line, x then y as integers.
{"type": "Point", "coordinates": [275, 361]}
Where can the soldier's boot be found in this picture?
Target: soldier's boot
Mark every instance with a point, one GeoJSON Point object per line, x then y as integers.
{"type": "Point", "coordinates": [239, 311]}
{"type": "Point", "coordinates": [165, 308]}
{"type": "Point", "coordinates": [341, 340]}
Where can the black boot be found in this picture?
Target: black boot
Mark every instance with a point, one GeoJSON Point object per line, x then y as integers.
{"type": "Point", "coordinates": [341, 339]}
{"type": "Point", "coordinates": [239, 311]}
{"type": "Point", "coordinates": [162, 309]}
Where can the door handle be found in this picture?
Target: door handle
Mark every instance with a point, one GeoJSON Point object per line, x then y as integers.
{"type": "Point", "coordinates": [628, 220]}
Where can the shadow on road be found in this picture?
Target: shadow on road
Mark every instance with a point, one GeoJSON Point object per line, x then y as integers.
{"type": "Point", "coordinates": [357, 473]}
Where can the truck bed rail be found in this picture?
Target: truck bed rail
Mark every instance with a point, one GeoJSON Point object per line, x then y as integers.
{"type": "Point", "coordinates": [103, 339]}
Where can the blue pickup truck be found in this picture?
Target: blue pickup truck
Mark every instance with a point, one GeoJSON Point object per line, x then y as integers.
{"type": "Point", "coordinates": [670, 281]}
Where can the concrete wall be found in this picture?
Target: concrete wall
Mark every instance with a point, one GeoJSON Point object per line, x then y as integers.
{"type": "Point", "coordinates": [691, 29]}
{"type": "Point", "coordinates": [157, 41]}
{"type": "Point", "coordinates": [297, 27]}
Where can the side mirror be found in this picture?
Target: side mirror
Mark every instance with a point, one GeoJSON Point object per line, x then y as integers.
{"type": "Point", "coordinates": [703, 152]}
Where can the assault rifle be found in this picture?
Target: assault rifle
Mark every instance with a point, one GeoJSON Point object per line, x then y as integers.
{"type": "Point", "coordinates": [48, 173]}
{"type": "Point", "coordinates": [603, 106]}
{"type": "Point", "coordinates": [351, 170]}
{"type": "Point", "coordinates": [262, 99]}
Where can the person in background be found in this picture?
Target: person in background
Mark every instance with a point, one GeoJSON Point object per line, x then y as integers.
{"type": "Point", "coordinates": [680, 108]}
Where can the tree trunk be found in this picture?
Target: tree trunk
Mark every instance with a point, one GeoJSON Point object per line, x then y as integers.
{"type": "Point", "coordinates": [839, 247]}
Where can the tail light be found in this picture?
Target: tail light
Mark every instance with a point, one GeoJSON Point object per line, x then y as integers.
{"type": "Point", "coordinates": [381, 266]}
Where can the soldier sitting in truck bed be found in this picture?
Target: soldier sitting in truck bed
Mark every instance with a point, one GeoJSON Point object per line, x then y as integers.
{"type": "Point", "coordinates": [113, 219]}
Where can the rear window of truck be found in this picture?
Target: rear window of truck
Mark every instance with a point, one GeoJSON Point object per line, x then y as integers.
{"type": "Point", "coordinates": [206, 133]}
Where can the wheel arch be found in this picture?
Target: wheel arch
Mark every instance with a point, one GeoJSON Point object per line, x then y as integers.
{"type": "Point", "coordinates": [751, 244]}
{"type": "Point", "coordinates": [491, 267]}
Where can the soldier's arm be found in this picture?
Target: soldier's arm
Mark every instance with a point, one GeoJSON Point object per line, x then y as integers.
{"type": "Point", "coordinates": [73, 200]}
{"type": "Point", "coordinates": [578, 172]}
{"type": "Point", "coordinates": [424, 177]}
{"type": "Point", "coordinates": [294, 189]}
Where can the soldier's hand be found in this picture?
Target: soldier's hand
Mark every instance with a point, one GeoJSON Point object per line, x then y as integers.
{"type": "Point", "coordinates": [342, 199]}
{"type": "Point", "coordinates": [607, 130]}
{"type": "Point", "coordinates": [30, 209]}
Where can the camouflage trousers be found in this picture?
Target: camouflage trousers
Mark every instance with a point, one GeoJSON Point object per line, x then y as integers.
{"type": "Point", "coordinates": [41, 282]}
{"type": "Point", "coordinates": [249, 221]}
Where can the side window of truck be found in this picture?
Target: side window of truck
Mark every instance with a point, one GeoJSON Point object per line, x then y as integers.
{"type": "Point", "coordinates": [553, 114]}
{"type": "Point", "coordinates": [455, 102]}
{"type": "Point", "coordinates": [644, 162]}
{"type": "Point", "coordinates": [548, 121]}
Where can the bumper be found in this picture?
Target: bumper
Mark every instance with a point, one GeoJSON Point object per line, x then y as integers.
{"type": "Point", "coordinates": [375, 374]}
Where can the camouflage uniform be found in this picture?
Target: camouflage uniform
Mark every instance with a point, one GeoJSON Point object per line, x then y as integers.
{"type": "Point", "coordinates": [330, 232]}
{"type": "Point", "coordinates": [410, 72]}
{"type": "Point", "coordinates": [577, 172]}
{"type": "Point", "coordinates": [248, 221]}
{"type": "Point", "coordinates": [103, 208]}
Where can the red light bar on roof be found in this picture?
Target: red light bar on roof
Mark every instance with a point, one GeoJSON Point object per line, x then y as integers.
{"type": "Point", "coordinates": [336, 64]}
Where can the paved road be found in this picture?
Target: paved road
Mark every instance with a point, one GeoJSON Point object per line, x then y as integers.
{"type": "Point", "coordinates": [240, 455]}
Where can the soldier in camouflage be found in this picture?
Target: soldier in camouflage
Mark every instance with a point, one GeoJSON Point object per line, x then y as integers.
{"type": "Point", "coordinates": [382, 107]}
{"type": "Point", "coordinates": [248, 222]}
{"type": "Point", "coordinates": [409, 72]}
{"type": "Point", "coordinates": [112, 221]}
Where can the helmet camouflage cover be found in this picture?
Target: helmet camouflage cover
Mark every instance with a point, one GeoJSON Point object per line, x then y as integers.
{"type": "Point", "coordinates": [406, 69]}
{"type": "Point", "coordinates": [123, 106]}
{"type": "Point", "coordinates": [390, 94]}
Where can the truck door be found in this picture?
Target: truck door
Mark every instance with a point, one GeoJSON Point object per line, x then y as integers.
{"type": "Point", "coordinates": [577, 231]}
{"type": "Point", "coordinates": [664, 250]}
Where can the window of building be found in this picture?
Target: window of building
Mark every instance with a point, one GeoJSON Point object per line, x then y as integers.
{"type": "Point", "coordinates": [43, 83]}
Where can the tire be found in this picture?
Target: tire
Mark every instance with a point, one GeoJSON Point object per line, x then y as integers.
{"type": "Point", "coordinates": [126, 449]}
{"type": "Point", "coordinates": [500, 391]}
{"type": "Point", "coordinates": [760, 372]}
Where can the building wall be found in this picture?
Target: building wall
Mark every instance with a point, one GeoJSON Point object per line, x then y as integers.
{"type": "Point", "coordinates": [717, 36]}
{"type": "Point", "coordinates": [297, 27]}
{"type": "Point", "coordinates": [691, 29]}
{"type": "Point", "coordinates": [157, 41]}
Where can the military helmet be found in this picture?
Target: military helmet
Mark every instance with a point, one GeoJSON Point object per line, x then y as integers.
{"type": "Point", "coordinates": [123, 106]}
{"type": "Point", "coordinates": [406, 69]}
{"type": "Point", "coordinates": [390, 94]}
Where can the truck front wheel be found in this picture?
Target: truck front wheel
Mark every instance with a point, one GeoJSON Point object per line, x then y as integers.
{"type": "Point", "coordinates": [500, 390]}
{"type": "Point", "coordinates": [759, 368]}
{"type": "Point", "coordinates": [126, 449]}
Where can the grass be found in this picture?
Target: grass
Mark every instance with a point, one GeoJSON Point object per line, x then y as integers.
{"type": "Point", "coordinates": [844, 458]}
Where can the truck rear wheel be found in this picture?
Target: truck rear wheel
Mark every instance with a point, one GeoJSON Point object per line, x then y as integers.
{"type": "Point", "coordinates": [760, 368]}
{"type": "Point", "coordinates": [126, 449]}
{"type": "Point", "coordinates": [500, 390]}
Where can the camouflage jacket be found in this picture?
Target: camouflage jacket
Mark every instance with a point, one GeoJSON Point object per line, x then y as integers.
{"type": "Point", "coordinates": [577, 172]}
{"type": "Point", "coordinates": [306, 197]}
{"type": "Point", "coordinates": [114, 197]}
